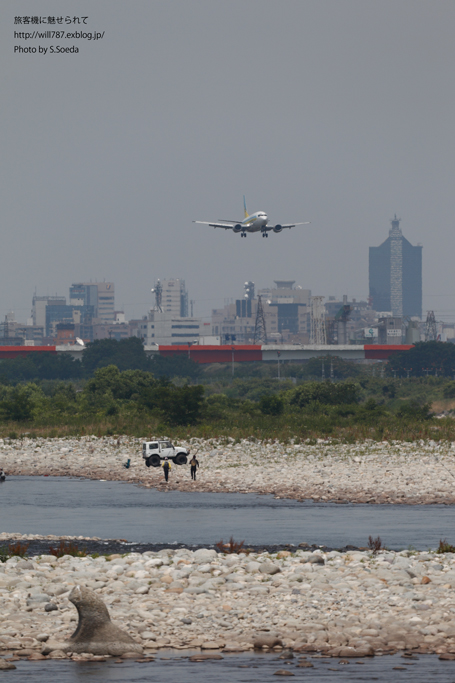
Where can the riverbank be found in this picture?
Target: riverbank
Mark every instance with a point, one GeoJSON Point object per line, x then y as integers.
{"type": "Point", "coordinates": [367, 472]}
{"type": "Point", "coordinates": [352, 604]}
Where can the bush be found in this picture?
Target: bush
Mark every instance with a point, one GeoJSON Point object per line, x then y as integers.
{"type": "Point", "coordinates": [411, 410]}
{"type": "Point", "coordinates": [271, 405]}
{"type": "Point", "coordinates": [326, 393]}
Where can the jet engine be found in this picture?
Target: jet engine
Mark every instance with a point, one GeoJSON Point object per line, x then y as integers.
{"type": "Point", "coordinates": [238, 228]}
{"type": "Point", "coordinates": [277, 228]}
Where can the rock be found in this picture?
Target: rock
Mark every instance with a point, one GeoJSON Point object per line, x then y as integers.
{"type": "Point", "coordinates": [57, 654]}
{"type": "Point", "coordinates": [316, 559]}
{"type": "Point", "coordinates": [50, 607]}
{"type": "Point", "coordinates": [42, 637]}
{"type": "Point", "coordinates": [204, 555]}
{"type": "Point", "coordinates": [53, 645]}
{"type": "Point", "coordinates": [283, 672]}
{"type": "Point", "coordinates": [25, 564]}
{"type": "Point", "coordinates": [267, 641]}
{"type": "Point", "coordinates": [95, 632]}
{"type": "Point", "coordinates": [269, 568]}
{"type": "Point", "coordinates": [211, 645]}
{"type": "Point", "coordinates": [425, 579]}
{"type": "Point", "coordinates": [6, 666]}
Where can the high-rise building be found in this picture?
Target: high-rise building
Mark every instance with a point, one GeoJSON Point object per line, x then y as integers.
{"type": "Point", "coordinates": [100, 295]}
{"type": "Point", "coordinates": [395, 275]}
{"type": "Point", "coordinates": [173, 298]}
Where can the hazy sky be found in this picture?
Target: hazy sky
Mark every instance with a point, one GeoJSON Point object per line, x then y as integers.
{"type": "Point", "coordinates": [341, 112]}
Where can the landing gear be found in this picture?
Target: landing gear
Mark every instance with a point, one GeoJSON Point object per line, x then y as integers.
{"type": "Point", "coordinates": [243, 234]}
{"type": "Point", "coordinates": [265, 234]}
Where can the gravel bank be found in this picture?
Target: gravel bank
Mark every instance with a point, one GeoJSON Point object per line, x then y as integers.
{"type": "Point", "coordinates": [371, 472]}
{"type": "Point", "coordinates": [339, 604]}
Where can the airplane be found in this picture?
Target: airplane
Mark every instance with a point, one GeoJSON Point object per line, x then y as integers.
{"type": "Point", "coordinates": [256, 222]}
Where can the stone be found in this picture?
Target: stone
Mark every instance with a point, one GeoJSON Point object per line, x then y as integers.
{"type": "Point", "coordinates": [266, 641]}
{"type": "Point", "coordinates": [211, 645]}
{"type": "Point", "coordinates": [6, 666]}
{"type": "Point", "coordinates": [95, 632]}
{"type": "Point", "coordinates": [425, 579]}
{"type": "Point", "coordinates": [50, 607]}
{"type": "Point", "coordinates": [283, 672]}
{"type": "Point", "coordinates": [269, 568]}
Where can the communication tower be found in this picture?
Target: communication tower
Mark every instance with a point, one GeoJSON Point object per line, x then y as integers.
{"type": "Point", "coordinates": [158, 292]}
{"type": "Point", "coordinates": [260, 334]}
{"type": "Point", "coordinates": [318, 334]}
{"type": "Point", "coordinates": [431, 333]}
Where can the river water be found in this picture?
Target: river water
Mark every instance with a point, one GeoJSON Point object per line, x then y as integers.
{"type": "Point", "coordinates": [73, 507]}
{"type": "Point", "coordinates": [248, 668]}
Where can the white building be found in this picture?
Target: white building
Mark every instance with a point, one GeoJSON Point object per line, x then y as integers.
{"type": "Point", "coordinates": [169, 330]}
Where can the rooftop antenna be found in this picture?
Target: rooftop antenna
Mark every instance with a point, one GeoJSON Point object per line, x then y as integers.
{"type": "Point", "coordinates": [158, 292]}
{"type": "Point", "coordinates": [260, 333]}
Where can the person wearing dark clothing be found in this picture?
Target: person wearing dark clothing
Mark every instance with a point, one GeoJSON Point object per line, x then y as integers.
{"type": "Point", "coordinates": [194, 465]}
{"type": "Point", "coordinates": [2, 475]}
{"type": "Point", "coordinates": [166, 465]}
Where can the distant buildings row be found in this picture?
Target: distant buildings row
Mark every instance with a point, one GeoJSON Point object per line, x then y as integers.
{"type": "Point", "coordinates": [391, 315]}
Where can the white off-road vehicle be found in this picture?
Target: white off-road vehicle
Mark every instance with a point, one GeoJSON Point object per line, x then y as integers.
{"type": "Point", "coordinates": [154, 452]}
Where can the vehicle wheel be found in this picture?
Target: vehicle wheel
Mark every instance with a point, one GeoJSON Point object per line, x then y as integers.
{"type": "Point", "coordinates": [181, 459]}
{"type": "Point", "coordinates": [153, 461]}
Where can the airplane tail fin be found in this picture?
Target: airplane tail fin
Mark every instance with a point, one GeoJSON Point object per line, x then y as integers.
{"type": "Point", "coordinates": [244, 207]}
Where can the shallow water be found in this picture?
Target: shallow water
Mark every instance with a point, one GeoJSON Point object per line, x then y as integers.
{"type": "Point", "coordinates": [73, 507]}
{"type": "Point", "coordinates": [248, 668]}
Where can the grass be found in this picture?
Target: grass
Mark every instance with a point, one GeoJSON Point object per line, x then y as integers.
{"type": "Point", "coordinates": [445, 547]}
{"type": "Point", "coordinates": [232, 546]}
{"type": "Point", "coordinates": [67, 548]}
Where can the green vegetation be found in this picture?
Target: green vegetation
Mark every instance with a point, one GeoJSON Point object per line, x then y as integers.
{"type": "Point", "coordinates": [118, 390]}
{"type": "Point", "coordinates": [426, 358]}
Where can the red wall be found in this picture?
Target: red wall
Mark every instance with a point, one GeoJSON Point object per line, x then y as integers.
{"type": "Point", "coordinates": [15, 351]}
{"type": "Point", "coordinates": [215, 354]}
{"type": "Point", "coordinates": [384, 351]}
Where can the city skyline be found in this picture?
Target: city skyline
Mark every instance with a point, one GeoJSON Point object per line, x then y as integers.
{"type": "Point", "coordinates": [108, 155]}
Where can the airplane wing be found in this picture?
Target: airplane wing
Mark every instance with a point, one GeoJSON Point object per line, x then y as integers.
{"type": "Point", "coordinates": [292, 225]}
{"type": "Point", "coordinates": [288, 225]}
{"type": "Point", "coordinates": [226, 226]}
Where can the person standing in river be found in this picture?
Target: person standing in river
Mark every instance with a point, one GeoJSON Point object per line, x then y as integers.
{"type": "Point", "coordinates": [166, 465]}
{"type": "Point", "coordinates": [2, 474]}
{"type": "Point", "coordinates": [194, 465]}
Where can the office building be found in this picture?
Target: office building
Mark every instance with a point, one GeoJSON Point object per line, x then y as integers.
{"type": "Point", "coordinates": [395, 275]}
{"type": "Point", "coordinates": [169, 330]}
{"type": "Point", "coordinates": [171, 297]}
{"type": "Point", "coordinates": [99, 295]}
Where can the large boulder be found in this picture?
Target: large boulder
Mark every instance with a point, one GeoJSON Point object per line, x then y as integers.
{"type": "Point", "coordinates": [95, 632]}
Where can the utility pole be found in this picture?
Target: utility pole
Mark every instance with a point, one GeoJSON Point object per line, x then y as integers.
{"type": "Point", "coordinates": [232, 360]}
{"type": "Point", "coordinates": [278, 353]}
{"type": "Point", "coordinates": [260, 333]}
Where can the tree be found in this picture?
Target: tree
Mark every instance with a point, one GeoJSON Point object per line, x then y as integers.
{"type": "Point", "coordinates": [125, 385]}
{"type": "Point", "coordinates": [126, 354]}
{"type": "Point", "coordinates": [432, 357]}
{"type": "Point", "coordinates": [176, 405]}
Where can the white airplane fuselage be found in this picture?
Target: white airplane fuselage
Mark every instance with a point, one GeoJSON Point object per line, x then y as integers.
{"type": "Point", "coordinates": [254, 223]}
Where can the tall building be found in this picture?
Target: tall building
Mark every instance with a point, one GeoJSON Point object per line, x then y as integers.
{"type": "Point", "coordinates": [395, 275]}
{"type": "Point", "coordinates": [173, 297]}
{"type": "Point", "coordinates": [100, 295]}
